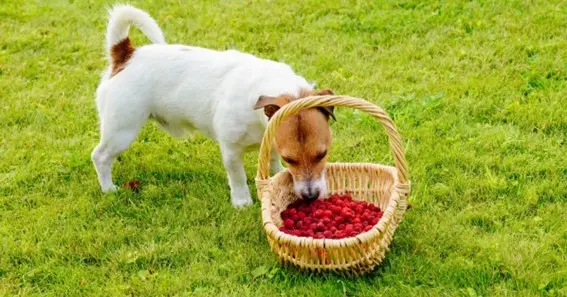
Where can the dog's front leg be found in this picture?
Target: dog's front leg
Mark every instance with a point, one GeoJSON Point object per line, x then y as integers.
{"type": "Point", "coordinates": [275, 163]}
{"type": "Point", "coordinates": [232, 159]}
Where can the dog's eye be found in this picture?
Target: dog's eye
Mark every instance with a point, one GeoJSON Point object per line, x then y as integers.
{"type": "Point", "coordinates": [320, 156]}
{"type": "Point", "coordinates": [289, 161]}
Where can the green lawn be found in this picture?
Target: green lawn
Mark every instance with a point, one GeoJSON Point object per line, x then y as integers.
{"type": "Point", "coordinates": [477, 90]}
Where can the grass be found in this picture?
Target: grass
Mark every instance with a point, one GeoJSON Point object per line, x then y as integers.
{"type": "Point", "coordinates": [477, 89]}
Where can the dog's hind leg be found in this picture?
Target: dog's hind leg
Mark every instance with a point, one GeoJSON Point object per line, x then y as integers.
{"type": "Point", "coordinates": [116, 136]}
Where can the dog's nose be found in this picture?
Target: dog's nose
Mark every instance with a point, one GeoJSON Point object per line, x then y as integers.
{"type": "Point", "coordinates": [310, 195]}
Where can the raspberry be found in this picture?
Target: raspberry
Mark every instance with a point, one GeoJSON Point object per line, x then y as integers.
{"type": "Point", "coordinates": [308, 221]}
{"type": "Point", "coordinates": [301, 215]}
{"type": "Point", "coordinates": [327, 213]}
{"type": "Point", "coordinates": [356, 220]}
{"type": "Point", "coordinates": [319, 213]}
{"type": "Point", "coordinates": [292, 211]}
{"type": "Point", "coordinates": [326, 221]}
{"type": "Point", "coordinates": [368, 228]}
{"type": "Point", "coordinates": [318, 235]}
{"type": "Point", "coordinates": [288, 223]}
{"type": "Point", "coordinates": [299, 225]}
{"type": "Point", "coordinates": [347, 213]}
{"type": "Point", "coordinates": [327, 234]}
{"type": "Point", "coordinates": [313, 226]}
{"type": "Point", "coordinates": [339, 219]}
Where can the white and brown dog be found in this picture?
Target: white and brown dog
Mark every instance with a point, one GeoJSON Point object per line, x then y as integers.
{"type": "Point", "coordinates": [187, 88]}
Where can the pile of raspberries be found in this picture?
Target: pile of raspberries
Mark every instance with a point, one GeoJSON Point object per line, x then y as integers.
{"type": "Point", "coordinates": [336, 217]}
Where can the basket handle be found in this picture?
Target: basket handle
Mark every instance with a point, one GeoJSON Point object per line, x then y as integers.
{"type": "Point", "coordinates": [294, 107]}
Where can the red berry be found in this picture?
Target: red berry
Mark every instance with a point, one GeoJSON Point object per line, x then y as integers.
{"type": "Point", "coordinates": [327, 213]}
{"type": "Point", "coordinates": [356, 220]}
{"type": "Point", "coordinates": [313, 226]}
{"type": "Point", "coordinates": [358, 227]}
{"type": "Point", "coordinates": [349, 228]}
{"type": "Point", "coordinates": [341, 227]}
{"type": "Point", "coordinates": [301, 215]}
{"type": "Point", "coordinates": [339, 219]}
{"type": "Point", "coordinates": [319, 213]}
{"type": "Point", "coordinates": [288, 223]}
{"type": "Point", "coordinates": [318, 235]}
{"type": "Point", "coordinates": [326, 221]}
{"type": "Point", "coordinates": [308, 221]}
{"type": "Point", "coordinates": [368, 228]}
{"type": "Point", "coordinates": [320, 226]}
{"type": "Point", "coordinates": [328, 234]}
{"type": "Point", "coordinates": [292, 211]}
{"type": "Point", "coordinates": [309, 233]}
{"type": "Point", "coordinates": [347, 213]}
{"type": "Point", "coordinates": [297, 232]}
{"type": "Point", "coordinates": [299, 225]}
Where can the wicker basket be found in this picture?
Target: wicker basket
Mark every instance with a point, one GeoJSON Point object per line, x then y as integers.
{"type": "Point", "coordinates": [385, 186]}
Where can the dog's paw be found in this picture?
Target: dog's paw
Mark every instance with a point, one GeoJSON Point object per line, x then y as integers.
{"type": "Point", "coordinates": [276, 168]}
{"type": "Point", "coordinates": [243, 201]}
{"type": "Point", "coordinates": [110, 189]}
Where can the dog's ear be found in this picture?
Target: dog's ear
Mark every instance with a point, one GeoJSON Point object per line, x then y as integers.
{"type": "Point", "coordinates": [325, 92]}
{"type": "Point", "coordinates": [328, 111]}
{"type": "Point", "coordinates": [270, 104]}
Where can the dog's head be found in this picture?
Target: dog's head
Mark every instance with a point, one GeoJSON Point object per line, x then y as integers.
{"type": "Point", "coordinates": [303, 141]}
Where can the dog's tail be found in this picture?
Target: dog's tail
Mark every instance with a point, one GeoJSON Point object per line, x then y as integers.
{"type": "Point", "coordinates": [121, 17]}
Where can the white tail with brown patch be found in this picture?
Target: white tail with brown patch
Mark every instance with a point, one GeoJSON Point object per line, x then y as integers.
{"type": "Point", "coordinates": [121, 17]}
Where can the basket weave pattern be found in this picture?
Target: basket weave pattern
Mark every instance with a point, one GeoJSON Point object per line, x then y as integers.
{"type": "Point", "coordinates": [385, 186]}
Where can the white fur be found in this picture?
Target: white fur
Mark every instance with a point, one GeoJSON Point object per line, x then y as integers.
{"type": "Point", "coordinates": [186, 88]}
{"type": "Point", "coordinates": [304, 187]}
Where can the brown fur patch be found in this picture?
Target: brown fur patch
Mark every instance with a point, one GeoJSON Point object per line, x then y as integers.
{"type": "Point", "coordinates": [301, 139]}
{"type": "Point", "coordinates": [120, 54]}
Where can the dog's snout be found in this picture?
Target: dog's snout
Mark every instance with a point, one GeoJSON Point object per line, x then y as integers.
{"type": "Point", "coordinates": [310, 194]}
{"type": "Point", "coordinates": [310, 189]}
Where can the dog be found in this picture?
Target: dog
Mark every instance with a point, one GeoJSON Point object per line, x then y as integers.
{"type": "Point", "coordinates": [228, 96]}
